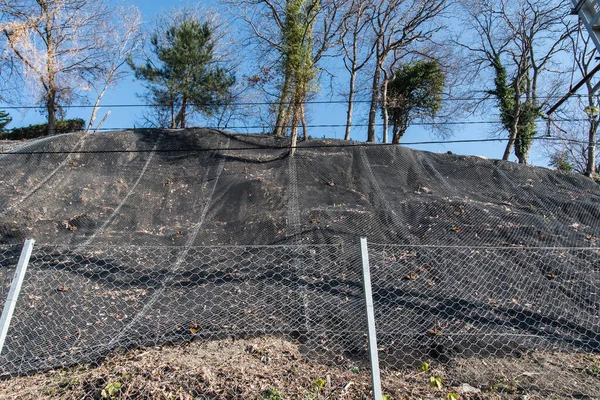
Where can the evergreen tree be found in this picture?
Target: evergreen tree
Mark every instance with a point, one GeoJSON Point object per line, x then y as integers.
{"type": "Point", "coordinates": [4, 120]}
{"type": "Point", "coordinates": [414, 93]}
{"type": "Point", "coordinates": [184, 79]}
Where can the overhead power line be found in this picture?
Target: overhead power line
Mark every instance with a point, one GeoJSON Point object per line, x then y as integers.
{"type": "Point", "coordinates": [269, 127]}
{"type": "Point", "coordinates": [243, 103]}
{"type": "Point", "coordinates": [263, 147]}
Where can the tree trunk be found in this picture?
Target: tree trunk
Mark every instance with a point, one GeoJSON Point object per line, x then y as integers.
{"type": "Point", "coordinates": [514, 129]}
{"type": "Point", "coordinates": [350, 105]}
{"type": "Point", "coordinates": [182, 113]}
{"type": "Point", "coordinates": [399, 130]}
{"type": "Point", "coordinates": [295, 122]}
{"type": "Point", "coordinates": [373, 107]}
{"type": "Point", "coordinates": [95, 110]}
{"type": "Point", "coordinates": [590, 168]}
{"type": "Point", "coordinates": [173, 119]}
{"type": "Point", "coordinates": [303, 120]}
{"type": "Point", "coordinates": [511, 142]}
{"type": "Point", "coordinates": [386, 116]}
{"type": "Point", "coordinates": [51, 108]}
{"type": "Point", "coordinates": [523, 152]}
{"type": "Point", "coordinates": [396, 138]}
{"type": "Point", "coordinates": [282, 108]}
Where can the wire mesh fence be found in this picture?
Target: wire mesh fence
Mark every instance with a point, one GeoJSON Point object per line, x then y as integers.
{"type": "Point", "coordinates": [9, 257]}
{"type": "Point", "coordinates": [440, 303]}
{"type": "Point", "coordinates": [78, 307]}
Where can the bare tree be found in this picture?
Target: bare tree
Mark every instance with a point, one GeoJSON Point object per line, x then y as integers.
{"type": "Point", "coordinates": [396, 25]}
{"type": "Point", "coordinates": [358, 48]}
{"type": "Point", "coordinates": [585, 52]}
{"type": "Point", "coordinates": [123, 39]}
{"type": "Point", "coordinates": [577, 136]}
{"type": "Point", "coordinates": [519, 42]}
{"type": "Point", "coordinates": [59, 44]}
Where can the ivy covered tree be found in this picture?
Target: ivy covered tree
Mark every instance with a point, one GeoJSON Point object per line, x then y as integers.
{"type": "Point", "coordinates": [518, 113]}
{"type": "Point", "coordinates": [521, 45]}
{"type": "Point", "coordinates": [415, 92]}
{"type": "Point", "coordinates": [297, 59]}
{"type": "Point", "coordinates": [184, 78]}
{"type": "Point", "coordinates": [4, 120]}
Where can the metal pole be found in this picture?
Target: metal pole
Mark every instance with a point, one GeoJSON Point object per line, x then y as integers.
{"type": "Point", "coordinates": [15, 289]}
{"type": "Point", "coordinates": [373, 356]}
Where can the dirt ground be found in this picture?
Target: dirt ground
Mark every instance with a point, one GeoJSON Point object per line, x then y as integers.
{"type": "Point", "coordinates": [273, 368]}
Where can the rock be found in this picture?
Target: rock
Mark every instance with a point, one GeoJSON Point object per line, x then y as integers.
{"type": "Point", "coordinates": [465, 388]}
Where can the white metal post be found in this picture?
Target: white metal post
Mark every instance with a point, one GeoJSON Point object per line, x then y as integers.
{"type": "Point", "coordinates": [373, 356]}
{"type": "Point", "coordinates": [15, 289]}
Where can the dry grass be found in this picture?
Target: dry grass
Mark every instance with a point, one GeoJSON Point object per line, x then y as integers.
{"type": "Point", "coordinates": [274, 369]}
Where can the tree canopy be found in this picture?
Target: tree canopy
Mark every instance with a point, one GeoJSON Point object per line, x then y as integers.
{"type": "Point", "coordinates": [184, 78]}
{"type": "Point", "coordinates": [414, 92]}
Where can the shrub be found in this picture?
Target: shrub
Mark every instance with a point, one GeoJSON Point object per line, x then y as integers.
{"type": "Point", "coordinates": [35, 131]}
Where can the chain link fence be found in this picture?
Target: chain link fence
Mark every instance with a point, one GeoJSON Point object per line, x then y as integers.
{"type": "Point", "coordinates": [452, 306]}
{"type": "Point", "coordinates": [76, 308]}
{"type": "Point", "coordinates": [9, 257]}
{"type": "Point", "coordinates": [440, 303]}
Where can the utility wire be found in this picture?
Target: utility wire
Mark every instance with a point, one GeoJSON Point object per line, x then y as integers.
{"type": "Point", "coordinates": [263, 147]}
{"type": "Point", "coordinates": [440, 123]}
{"type": "Point", "coordinates": [265, 103]}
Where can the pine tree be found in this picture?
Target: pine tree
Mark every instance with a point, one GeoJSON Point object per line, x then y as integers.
{"type": "Point", "coordinates": [4, 120]}
{"type": "Point", "coordinates": [184, 79]}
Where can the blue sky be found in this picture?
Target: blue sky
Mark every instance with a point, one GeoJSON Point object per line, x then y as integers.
{"type": "Point", "coordinates": [320, 114]}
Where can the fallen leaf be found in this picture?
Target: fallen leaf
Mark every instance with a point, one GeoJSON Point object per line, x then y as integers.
{"type": "Point", "coordinates": [195, 327]}
{"type": "Point", "coordinates": [62, 289]}
{"type": "Point", "coordinates": [411, 277]}
{"type": "Point", "coordinates": [493, 303]}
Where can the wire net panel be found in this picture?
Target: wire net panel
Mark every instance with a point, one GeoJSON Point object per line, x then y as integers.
{"type": "Point", "coordinates": [9, 258]}
{"type": "Point", "coordinates": [77, 308]}
{"type": "Point", "coordinates": [444, 303]}
{"type": "Point", "coordinates": [170, 187]}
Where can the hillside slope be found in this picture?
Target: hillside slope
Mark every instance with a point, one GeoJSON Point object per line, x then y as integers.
{"type": "Point", "coordinates": [209, 188]}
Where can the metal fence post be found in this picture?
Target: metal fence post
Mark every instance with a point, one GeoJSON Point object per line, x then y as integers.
{"type": "Point", "coordinates": [373, 356]}
{"type": "Point", "coordinates": [15, 289]}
